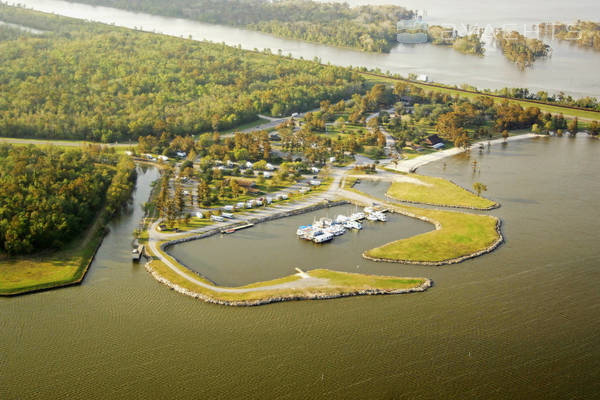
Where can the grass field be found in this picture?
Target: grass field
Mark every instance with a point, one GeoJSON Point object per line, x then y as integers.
{"type": "Point", "coordinates": [50, 269]}
{"type": "Point", "coordinates": [437, 191]}
{"type": "Point", "coordinates": [461, 235]}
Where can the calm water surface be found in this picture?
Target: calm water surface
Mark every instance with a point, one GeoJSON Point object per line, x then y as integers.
{"type": "Point", "coordinates": [521, 322]}
{"type": "Point", "coordinates": [569, 69]}
{"type": "Point", "coordinates": [236, 259]}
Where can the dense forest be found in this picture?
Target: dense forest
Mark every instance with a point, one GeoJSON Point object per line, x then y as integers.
{"type": "Point", "coordinates": [368, 28]}
{"type": "Point", "coordinates": [94, 82]}
{"type": "Point", "coordinates": [48, 195]}
{"type": "Point", "coordinates": [519, 49]}
{"type": "Point", "coordinates": [584, 34]}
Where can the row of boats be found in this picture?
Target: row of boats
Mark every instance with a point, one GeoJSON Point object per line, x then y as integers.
{"type": "Point", "coordinates": [325, 229]}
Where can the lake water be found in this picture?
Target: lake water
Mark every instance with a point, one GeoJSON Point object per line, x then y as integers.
{"type": "Point", "coordinates": [519, 323]}
{"type": "Point", "coordinates": [570, 69]}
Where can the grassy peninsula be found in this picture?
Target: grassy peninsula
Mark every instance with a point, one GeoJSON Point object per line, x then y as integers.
{"type": "Point", "coordinates": [458, 236]}
{"type": "Point", "coordinates": [437, 191]}
{"type": "Point", "coordinates": [314, 284]}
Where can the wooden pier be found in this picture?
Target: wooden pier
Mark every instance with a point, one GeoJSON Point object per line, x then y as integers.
{"type": "Point", "coordinates": [233, 229]}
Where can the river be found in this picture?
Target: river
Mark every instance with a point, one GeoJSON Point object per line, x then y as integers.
{"type": "Point", "coordinates": [519, 323]}
{"type": "Point", "coordinates": [570, 69]}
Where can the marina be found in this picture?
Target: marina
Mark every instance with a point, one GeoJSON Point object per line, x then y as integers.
{"type": "Point", "coordinates": [212, 257]}
{"type": "Point", "coordinates": [325, 229]}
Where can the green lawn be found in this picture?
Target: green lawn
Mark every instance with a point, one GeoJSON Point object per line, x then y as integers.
{"type": "Point", "coordinates": [460, 235]}
{"type": "Point", "coordinates": [437, 191]}
{"type": "Point", "coordinates": [47, 270]}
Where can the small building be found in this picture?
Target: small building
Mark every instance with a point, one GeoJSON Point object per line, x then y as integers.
{"type": "Point", "coordinates": [228, 208]}
{"type": "Point", "coordinates": [331, 159]}
{"type": "Point", "coordinates": [315, 170]}
{"type": "Point", "coordinates": [438, 146]}
{"type": "Point", "coordinates": [181, 154]}
{"type": "Point", "coordinates": [315, 182]}
{"type": "Point", "coordinates": [269, 167]}
{"type": "Point", "coordinates": [129, 153]}
{"type": "Point", "coordinates": [432, 140]}
{"type": "Point", "coordinates": [275, 137]}
{"type": "Point", "coordinates": [422, 78]}
{"type": "Point", "coordinates": [163, 158]}
{"type": "Point", "coordinates": [248, 165]}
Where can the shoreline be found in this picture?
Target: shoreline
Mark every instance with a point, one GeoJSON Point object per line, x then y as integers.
{"type": "Point", "coordinates": [410, 166]}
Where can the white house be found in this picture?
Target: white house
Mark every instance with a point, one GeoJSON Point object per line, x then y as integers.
{"type": "Point", "coordinates": [248, 165]}
{"type": "Point", "coordinates": [269, 167]}
{"type": "Point", "coordinates": [164, 158]}
{"type": "Point", "coordinates": [181, 154]}
{"type": "Point", "coordinates": [315, 170]}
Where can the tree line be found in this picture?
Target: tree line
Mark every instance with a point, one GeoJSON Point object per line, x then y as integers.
{"type": "Point", "coordinates": [368, 28]}
{"type": "Point", "coordinates": [48, 196]}
{"type": "Point", "coordinates": [585, 34]}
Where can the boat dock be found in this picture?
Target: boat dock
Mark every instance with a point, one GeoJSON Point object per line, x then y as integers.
{"type": "Point", "coordinates": [237, 228]}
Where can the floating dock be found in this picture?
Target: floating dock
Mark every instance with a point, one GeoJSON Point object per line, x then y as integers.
{"type": "Point", "coordinates": [233, 229]}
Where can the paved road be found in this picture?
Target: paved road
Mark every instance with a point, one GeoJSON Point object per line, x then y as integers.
{"type": "Point", "coordinates": [412, 164]}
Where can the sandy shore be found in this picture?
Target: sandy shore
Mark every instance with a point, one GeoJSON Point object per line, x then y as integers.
{"type": "Point", "coordinates": [413, 164]}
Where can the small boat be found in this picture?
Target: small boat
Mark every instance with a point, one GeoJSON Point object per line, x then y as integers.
{"type": "Point", "coordinates": [136, 254]}
{"type": "Point", "coordinates": [357, 216]}
{"type": "Point", "coordinates": [336, 229]}
{"type": "Point", "coordinates": [302, 230]}
{"type": "Point", "coordinates": [230, 230]}
{"type": "Point", "coordinates": [380, 216]}
{"type": "Point", "coordinates": [341, 219]}
{"type": "Point", "coordinates": [371, 217]}
{"type": "Point", "coordinates": [369, 210]}
{"type": "Point", "coordinates": [323, 237]}
{"type": "Point", "coordinates": [352, 225]}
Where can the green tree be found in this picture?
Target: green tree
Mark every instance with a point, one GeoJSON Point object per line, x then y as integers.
{"type": "Point", "coordinates": [479, 187]}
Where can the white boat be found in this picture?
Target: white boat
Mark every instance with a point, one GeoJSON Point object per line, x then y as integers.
{"type": "Point", "coordinates": [357, 216]}
{"type": "Point", "coordinates": [303, 230]}
{"type": "Point", "coordinates": [352, 225]}
{"type": "Point", "coordinates": [372, 217]}
{"type": "Point", "coordinates": [380, 216]}
{"type": "Point", "coordinates": [341, 219]}
{"type": "Point", "coordinates": [369, 210]}
{"type": "Point", "coordinates": [336, 229]}
{"type": "Point", "coordinates": [322, 223]}
{"type": "Point", "coordinates": [323, 237]}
